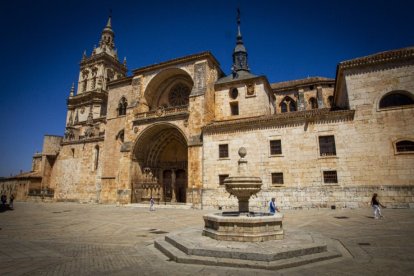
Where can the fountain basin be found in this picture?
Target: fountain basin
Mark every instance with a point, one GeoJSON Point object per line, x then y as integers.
{"type": "Point", "coordinates": [247, 227]}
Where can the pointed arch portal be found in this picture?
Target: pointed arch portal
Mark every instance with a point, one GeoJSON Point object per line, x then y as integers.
{"type": "Point", "coordinates": [161, 156]}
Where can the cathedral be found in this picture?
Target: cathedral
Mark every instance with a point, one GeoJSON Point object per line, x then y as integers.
{"type": "Point", "coordinates": [172, 131]}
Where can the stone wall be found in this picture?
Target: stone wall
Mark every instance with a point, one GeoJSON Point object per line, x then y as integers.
{"type": "Point", "coordinates": [51, 144]}
{"type": "Point", "coordinates": [18, 187]}
{"type": "Point", "coordinates": [254, 102]}
{"type": "Point", "coordinates": [74, 176]}
{"type": "Point", "coordinates": [365, 149]}
{"type": "Point", "coordinates": [314, 197]}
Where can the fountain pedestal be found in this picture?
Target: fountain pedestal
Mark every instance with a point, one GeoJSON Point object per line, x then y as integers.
{"type": "Point", "coordinates": [243, 226]}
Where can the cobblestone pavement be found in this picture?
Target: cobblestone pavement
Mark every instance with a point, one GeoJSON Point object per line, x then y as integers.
{"type": "Point", "coordinates": [79, 239]}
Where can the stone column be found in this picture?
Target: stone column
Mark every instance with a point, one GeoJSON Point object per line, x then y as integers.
{"type": "Point", "coordinates": [301, 100]}
{"type": "Point", "coordinates": [319, 96]}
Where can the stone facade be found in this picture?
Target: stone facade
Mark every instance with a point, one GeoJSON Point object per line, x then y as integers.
{"type": "Point", "coordinates": [172, 131]}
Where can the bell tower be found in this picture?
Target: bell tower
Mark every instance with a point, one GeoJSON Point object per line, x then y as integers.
{"type": "Point", "coordinates": [87, 108]}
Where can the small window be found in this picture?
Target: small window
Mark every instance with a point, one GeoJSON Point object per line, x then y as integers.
{"type": "Point", "coordinates": [234, 107]}
{"type": "Point", "coordinates": [277, 178]}
{"type": "Point", "coordinates": [313, 103]}
{"type": "Point", "coordinates": [234, 93]}
{"type": "Point", "coordinates": [330, 177]}
{"type": "Point", "coordinates": [396, 98]}
{"type": "Point", "coordinates": [222, 177]}
{"type": "Point", "coordinates": [73, 152]}
{"type": "Point", "coordinates": [327, 145]}
{"type": "Point", "coordinates": [122, 106]}
{"type": "Point", "coordinates": [405, 146]}
{"type": "Point", "coordinates": [224, 151]}
{"type": "Point", "coordinates": [275, 147]}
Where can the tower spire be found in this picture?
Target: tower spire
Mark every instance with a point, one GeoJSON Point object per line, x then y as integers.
{"type": "Point", "coordinates": [239, 53]}
{"type": "Point", "coordinates": [106, 44]}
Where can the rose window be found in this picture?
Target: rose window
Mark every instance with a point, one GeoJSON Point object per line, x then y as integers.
{"type": "Point", "coordinates": [179, 95]}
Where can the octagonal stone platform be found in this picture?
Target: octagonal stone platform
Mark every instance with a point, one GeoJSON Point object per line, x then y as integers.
{"type": "Point", "coordinates": [296, 249]}
{"type": "Point", "coordinates": [250, 227]}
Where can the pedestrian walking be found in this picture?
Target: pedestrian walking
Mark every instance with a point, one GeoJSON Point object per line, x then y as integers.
{"type": "Point", "coordinates": [152, 207]}
{"type": "Point", "coordinates": [376, 206]}
{"type": "Point", "coordinates": [273, 207]}
{"type": "Point", "coordinates": [11, 201]}
{"type": "Point", "coordinates": [3, 200]}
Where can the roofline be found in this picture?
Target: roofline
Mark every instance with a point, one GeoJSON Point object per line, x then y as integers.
{"type": "Point", "coordinates": [378, 58]}
{"type": "Point", "coordinates": [124, 80]}
{"type": "Point", "coordinates": [312, 81]}
{"type": "Point", "coordinates": [206, 54]}
{"type": "Point", "coordinates": [278, 120]}
{"type": "Point", "coordinates": [237, 81]}
{"type": "Point", "coordinates": [54, 135]}
{"type": "Point", "coordinates": [374, 59]}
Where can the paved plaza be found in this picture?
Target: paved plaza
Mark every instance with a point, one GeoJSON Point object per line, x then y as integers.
{"type": "Point", "coordinates": [80, 239]}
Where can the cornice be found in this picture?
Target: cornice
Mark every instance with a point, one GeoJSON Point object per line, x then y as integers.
{"type": "Point", "coordinates": [383, 57]}
{"type": "Point", "coordinates": [368, 61]}
{"type": "Point", "coordinates": [279, 120]}
{"type": "Point", "coordinates": [95, 120]}
{"type": "Point", "coordinates": [103, 56]}
{"type": "Point", "coordinates": [87, 96]}
{"type": "Point", "coordinates": [297, 84]}
{"type": "Point", "coordinates": [176, 61]}
{"type": "Point", "coordinates": [169, 117]}
{"type": "Point", "coordinates": [83, 141]}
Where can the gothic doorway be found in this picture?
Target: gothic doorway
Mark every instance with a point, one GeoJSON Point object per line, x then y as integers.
{"type": "Point", "coordinates": [161, 149]}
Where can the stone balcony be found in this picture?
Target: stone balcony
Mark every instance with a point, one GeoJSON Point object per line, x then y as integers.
{"type": "Point", "coordinates": [162, 114]}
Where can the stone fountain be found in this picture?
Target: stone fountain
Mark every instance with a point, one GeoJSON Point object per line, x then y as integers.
{"type": "Point", "coordinates": [243, 225]}
{"type": "Point", "coordinates": [247, 239]}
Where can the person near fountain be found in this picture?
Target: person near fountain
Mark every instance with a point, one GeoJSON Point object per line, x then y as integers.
{"type": "Point", "coordinates": [272, 206]}
{"type": "Point", "coordinates": [376, 206]}
{"type": "Point", "coordinates": [152, 207]}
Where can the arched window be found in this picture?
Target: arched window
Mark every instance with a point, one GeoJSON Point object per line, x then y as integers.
{"type": "Point", "coordinates": [122, 106]}
{"type": "Point", "coordinates": [405, 146]}
{"type": "Point", "coordinates": [292, 106]}
{"type": "Point", "coordinates": [179, 95]}
{"type": "Point", "coordinates": [396, 98]}
{"type": "Point", "coordinates": [330, 100]}
{"type": "Point", "coordinates": [288, 102]}
{"type": "Point", "coordinates": [313, 103]}
{"type": "Point", "coordinates": [283, 107]}
{"type": "Point", "coordinates": [120, 135]}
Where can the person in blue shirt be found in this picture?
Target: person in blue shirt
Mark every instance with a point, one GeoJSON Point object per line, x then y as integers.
{"type": "Point", "coordinates": [272, 206]}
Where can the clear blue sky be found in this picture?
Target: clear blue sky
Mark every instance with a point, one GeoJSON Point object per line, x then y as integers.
{"type": "Point", "coordinates": [42, 43]}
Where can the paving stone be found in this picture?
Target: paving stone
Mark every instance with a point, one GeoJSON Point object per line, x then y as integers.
{"type": "Point", "coordinates": [111, 240]}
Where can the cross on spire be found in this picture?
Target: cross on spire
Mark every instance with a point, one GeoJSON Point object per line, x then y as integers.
{"type": "Point", "coordinates": [239, 53]}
